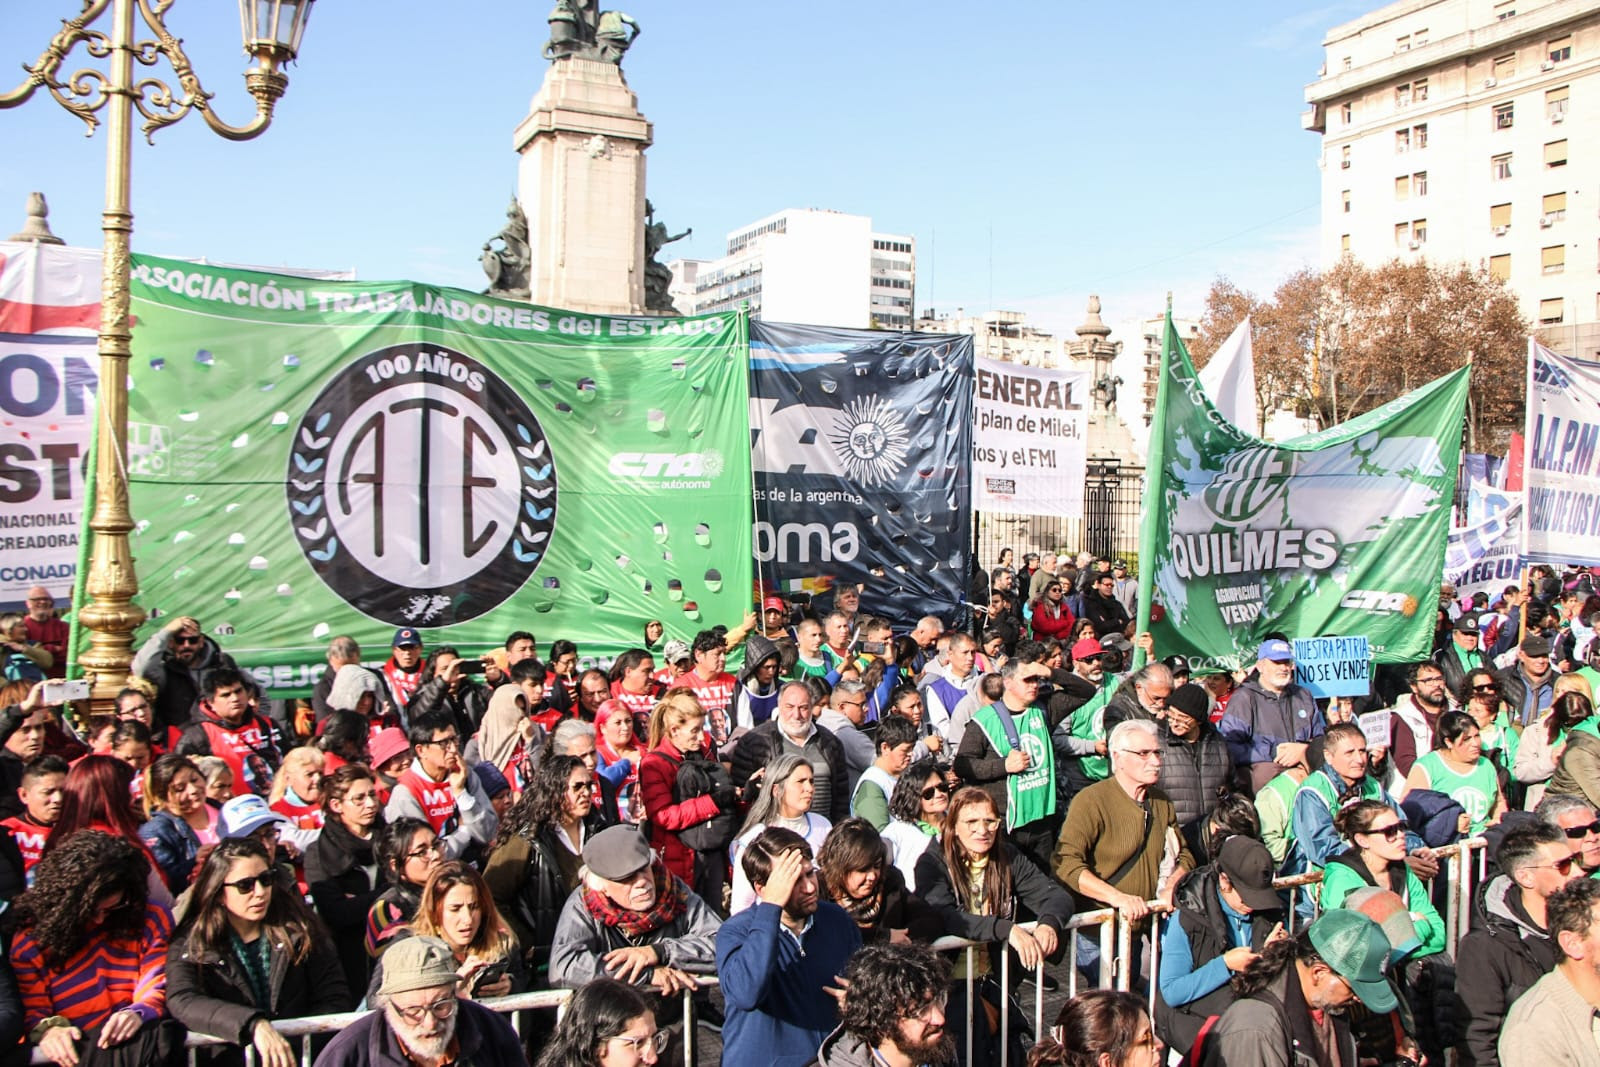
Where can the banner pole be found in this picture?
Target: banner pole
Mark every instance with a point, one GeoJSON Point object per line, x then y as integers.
{"type": "Point", "coordinates": [761, 581]}
{"type": "Point", "coordinates": [1155, 460]}
{"type": "Point", "coordinates": [80, 576]}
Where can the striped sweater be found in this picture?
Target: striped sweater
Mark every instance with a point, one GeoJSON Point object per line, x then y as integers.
{"type": "Point", "coordinates": [99, 979]}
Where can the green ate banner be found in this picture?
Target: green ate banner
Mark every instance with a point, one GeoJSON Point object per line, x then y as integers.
{"type": "Point", "coordinates": [1340, 533]}
{"type": "Point", "coordinates": [311, 458]}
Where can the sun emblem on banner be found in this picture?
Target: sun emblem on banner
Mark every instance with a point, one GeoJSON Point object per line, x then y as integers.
{"type": "Point", "coordinates": [871, 440]}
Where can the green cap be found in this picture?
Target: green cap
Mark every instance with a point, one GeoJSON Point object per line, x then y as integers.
{"type": "Point", "coordinates": [1358, 951]}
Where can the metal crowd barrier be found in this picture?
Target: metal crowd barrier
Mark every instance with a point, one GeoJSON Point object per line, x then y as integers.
{"type": "Point", "coordinates": [1118, 966]}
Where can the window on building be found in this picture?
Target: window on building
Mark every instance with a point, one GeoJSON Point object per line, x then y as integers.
{"type": "Point", "coordinates": [1419, 90]}
{"type": "Point", "coordinates": [1347, 113]}
{"type": "Point", "coordinates": [1560, 49]}
{"type": "Point", "coordinates": [1505, 9]}
{"type": "Point", "coordinates": [1419, 183]}
{"type": "Point", "coordinates": [1500, 215]}
{"type": "Point", "coordinates": [1344, 158]}
{"type": "Point", "coordinates": [1402, 43]}
{"type": "Point", "coordinates": [1402, 234]}
{"type": "Point", "coordinates": [1402, 141]}
{"type": "Point", "coordinates": [1550, 311]}
{"type": "Point", "coordinates": [1553, 259]}
{"type": "Point", "coordinates": [1402, 95]}
{"type": "Point", "coordinates": [1419, 136]}
{"type": "Point", "coordinates": [1505, 66]}
{"type": "Point", "coordinates": [1419, 232]}
{"type": "Point", "coordinates": [1402, 187]}
{"type": "Point", "coordinates": [1500, 166]}
{"type": "Point", "coordinates": [1345, 197]}
{"type": "Point", "coordinates": [1555, 104]}
{"type": "Point", "coordinates": [1555, 154]}
{"type": "Point", "coordinates": [1344, 242]}
{"type": "Point", "coordinates": [1500, 267]}
{"type": "Point", "coordinates": [1555, 207]}
{"type": "Point", "coordinates": [1503, 116]}
{"type": "Point", "coordinates": [1346, 62]}
{"type": "Point", "coordinates": [1419, 38]}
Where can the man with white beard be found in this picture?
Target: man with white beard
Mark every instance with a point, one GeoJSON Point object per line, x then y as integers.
{"type": "Point", "coordinates": [420, 1021]}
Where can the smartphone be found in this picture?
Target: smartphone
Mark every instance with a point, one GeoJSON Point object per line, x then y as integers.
{"type": "Point", "coordinates": [489, 975]}
{"type": "Point", "coordinates": [874, 648]}
{"type": "Point", "coordinates": [471, 666]}
{"type": "Point", "coordinates": [59, 690]}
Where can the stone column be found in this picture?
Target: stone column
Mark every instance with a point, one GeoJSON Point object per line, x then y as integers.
{"type": "Point", "coordinates": [581, 185]}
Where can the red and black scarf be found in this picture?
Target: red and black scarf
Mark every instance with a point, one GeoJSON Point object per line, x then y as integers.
{"type": "Point", "coordinates": [671, 902]}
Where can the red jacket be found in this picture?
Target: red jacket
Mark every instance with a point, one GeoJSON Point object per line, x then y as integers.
{"type": "Point", "coordinates": [658, 773]}
{"type": "Point", "coordinates": [1046, 624]}
{"type": "Point", "coordinates": [52, 634]}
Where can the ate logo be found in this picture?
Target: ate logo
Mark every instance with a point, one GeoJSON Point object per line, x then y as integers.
{"type": "Point", "coordinates": [420, 487]}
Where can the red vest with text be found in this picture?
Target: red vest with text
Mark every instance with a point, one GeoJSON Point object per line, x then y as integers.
{"type": "Point", "coordinates": [300, 816]}
{"type": "Point", "coordinates": [248, 751]}
{"type": "Point", "coordinates": [30, 838]}
{"type": "Point", "coordinates": [437, 799]}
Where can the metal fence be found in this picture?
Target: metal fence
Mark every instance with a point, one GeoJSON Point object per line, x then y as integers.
{"type": "Point", "coordinates": [1108, 525]}
{"type": "Point", "coordinates": [1463, 864]}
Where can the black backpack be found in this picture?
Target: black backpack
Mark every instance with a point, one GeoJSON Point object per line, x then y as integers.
{"type": "Point", "coordinates": [698, 777]}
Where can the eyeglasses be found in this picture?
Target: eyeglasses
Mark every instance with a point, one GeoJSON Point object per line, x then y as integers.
{"type": "Point", "coordinates": [41, 600]}
{"type": "Point", "coordinates": [1575, 832]}
{"type": "Point", "coordinates": [1142, 753]}
{"type": "Point", "coordinates": [852, 703]}
{"type": "Point", "coordinates": [934, 790]}
{"type": "Point", "coordinates": [636, 1045]}
{"type": "Point", "coordinates": [246, 886]}
{"type": "Point", "coordinates": [579, 788]}
{"type": "Point", "coordinates": [1562, 866]}
{"type": "Point", "coordinates": [430, 848]}
{"type": "Point", "coordinates": [187, 639]}
{"type": "Point", "coordinates": [1390, 832]}
{"type": "Point", "coordinates": [439, 1009]}
{"type": "Point", "coordinates": [449, 744]}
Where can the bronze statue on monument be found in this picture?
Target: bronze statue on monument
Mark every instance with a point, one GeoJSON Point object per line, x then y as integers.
{"type": "Point", "coordinates": [507, 266]}
{"type": "Point", "coordinates": [657, 278]}
{"type": "Point", "coordinates": [578, 28]}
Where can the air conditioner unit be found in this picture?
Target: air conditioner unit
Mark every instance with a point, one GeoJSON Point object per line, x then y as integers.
{"type": "Point", "coordinates": [1344, 164]}
{"type": "Point", "coordinates": [1489, 83]}
{"type": "Point", "coordinates": [1545, 222]}
{"type": "Point", "coordinates": [1414, 245]}
{"type": "Point", "coordinates": [1501, 231]}
{"type": "Point", "coordinates": [1559, 116]}
{"type": "Point", "coordinates": [1548, 64]}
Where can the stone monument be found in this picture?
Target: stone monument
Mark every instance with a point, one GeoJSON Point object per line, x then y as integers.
{"type": "Point", "coordinates": [580, 181]}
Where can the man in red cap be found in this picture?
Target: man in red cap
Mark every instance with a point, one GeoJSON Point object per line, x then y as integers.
{"type": "Point", "coordinates": [775, 619]}
{"type": "Point", "coordinates": [1081, 740]}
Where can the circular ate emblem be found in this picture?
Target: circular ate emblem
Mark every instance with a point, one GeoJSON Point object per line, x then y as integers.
{"type": "Point", "coordinates": [420, 487]}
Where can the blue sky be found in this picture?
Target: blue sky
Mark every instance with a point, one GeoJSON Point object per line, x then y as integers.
{"type": "Point", "coordinates": [1039, 151]}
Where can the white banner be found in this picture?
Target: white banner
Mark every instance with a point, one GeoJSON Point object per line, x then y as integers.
{"type": "Point", "coordinates": [1484, 558]}
{"type": "Point", "coordinates": [1029, 445]}
{"type": "Point", "coordinates": [1562, 473]}
{"type": "Point", "coordinates": [1230, 380]}
{"type": "Point", "coordinates": [49, 313]}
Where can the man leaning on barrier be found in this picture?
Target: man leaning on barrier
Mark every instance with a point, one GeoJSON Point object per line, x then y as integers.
{"type": "Point", "coordinates": [420, 1020]}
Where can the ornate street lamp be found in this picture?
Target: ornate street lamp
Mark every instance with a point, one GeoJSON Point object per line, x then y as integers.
{"type": "Point", "coordinates": [272, 31]}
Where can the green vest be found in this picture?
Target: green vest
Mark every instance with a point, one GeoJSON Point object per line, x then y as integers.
{"type": "Point", "coordinates": [1591, 725]}
{"type": "Point", "coordinates": [1089, 723]}
{"type": "Point", "coordinates": [1503, 740]}
{"type": "Point", "coordinates": [1475, 791]}
{"type": "Point", "coordinates": [1320, 783]}
{"type": "Point", "coordinates": [1031, 795]}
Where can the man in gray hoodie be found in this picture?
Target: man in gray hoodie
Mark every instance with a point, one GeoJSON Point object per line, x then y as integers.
{"type": "Point", "coordinates": [892, 1010]}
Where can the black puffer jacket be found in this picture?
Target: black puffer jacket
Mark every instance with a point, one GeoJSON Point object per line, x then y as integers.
{"type": "Point", "coordinates": [343, 876]}
{"type": "Point", "coordinates": [1497, 962]}
{"type": "Point", "coordinates": [466, 705]}
{"type": "Point", "coordinates": [1195, 775]}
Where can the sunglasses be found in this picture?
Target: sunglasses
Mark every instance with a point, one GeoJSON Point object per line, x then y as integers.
{"type": "Point", "coordinates": [1575, 832]}
{"type": "Point", "coordinates": [1485, 689]}
{"type": "Point", "coordinates": [1562, 866]}
{"type": "Point", "coordinates": [1390, 832]}
{"type": "Point", "coordinates": [187, 639]}
{"type": "Point", "coordinates": [934, 790]}
{"type": "Point", "coordinates": [246, 886]}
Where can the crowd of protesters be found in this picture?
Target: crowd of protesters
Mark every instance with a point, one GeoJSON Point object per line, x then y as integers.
{"type": "Point", "coordinates": [443, 828]}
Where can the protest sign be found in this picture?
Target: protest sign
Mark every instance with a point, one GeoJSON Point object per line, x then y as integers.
{"type": "Point", "coordinates": [311, 458]}
{"type": "Point", "coordinates": [1485, 558]}
{"type": "Point", "coordinates": [1375, 726]}
{"type": "Point", "coordinates": [1028, 446]}
{"type": "Point", "coordinates": [1333, 666]}
{"type": "Point", "coordinates": [1562, 517]}
{"type": "Point", "coordinates": [1339, 532]}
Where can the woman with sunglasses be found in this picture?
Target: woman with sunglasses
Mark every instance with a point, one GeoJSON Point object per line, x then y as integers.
{"type": "Point", "coordinates": [786, 786]}
{"type": "Point", "coordinates": [1543, 742]}
{"type": "Point", "coordinates": [342, 865]}
{"type": "Point", "coordinates": [1500, 741]}
{"type": "Point", "coordinates": [606, 1024]}
{"type": "Point", "coordinates": [916, 815]}
{"type": "Point", "coordinates": [407, 851]}
{"type": "Point", "coordinates": [1457, 768]}
{"type": "Point", "coordinates": [537, 854]}
{"type": "Point", "coordinates": [249, 953]}
{"type": "Point", "coordinates": [1377, 857]}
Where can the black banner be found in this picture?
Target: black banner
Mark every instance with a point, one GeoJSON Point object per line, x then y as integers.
{"type": "Point", "coordinates": [861, 446]}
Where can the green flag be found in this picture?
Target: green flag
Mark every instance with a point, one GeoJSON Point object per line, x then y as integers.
{"type": "Point", "coordinates": [1337, 533]}
{"type": "Point", "coordinates": [311, 458]}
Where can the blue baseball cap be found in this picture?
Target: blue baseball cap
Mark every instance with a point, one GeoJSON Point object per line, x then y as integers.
{"type": "Point", "coordinates": [1277, 651]}
{"type": "Point", "coordinates": [243, 816]}
{"type": "Point", "coordinates": [406, 636]}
